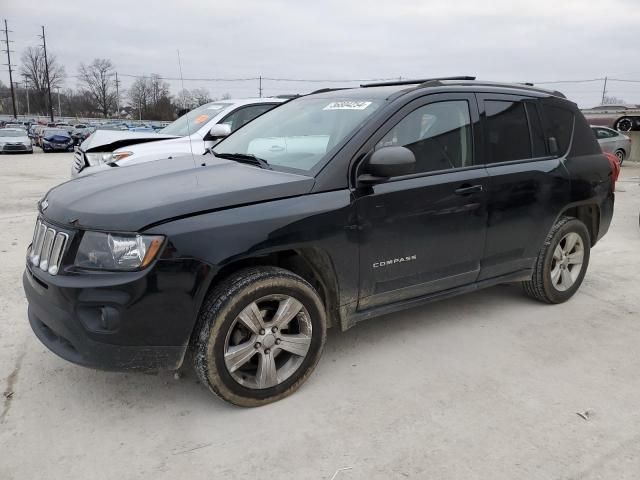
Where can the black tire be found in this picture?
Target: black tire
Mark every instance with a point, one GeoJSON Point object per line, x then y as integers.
{"type": "Point", "coordinates": [541, 286]}
{"type": "Point", "coordinates": [620, 154]}
{"type": "Point", "coordinates": [217, 318]}
{"type": "Point", "coordinates": [624, 124]}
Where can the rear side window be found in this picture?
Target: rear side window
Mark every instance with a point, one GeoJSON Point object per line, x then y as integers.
{"type": "Point", "coordinates": [559, 124]}
{"type": "Point", "coordinates": [507, 131]}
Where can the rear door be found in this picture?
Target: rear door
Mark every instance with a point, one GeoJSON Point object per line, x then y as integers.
{"type": "Point", "coordinates": [424, 233]}
{"type": "Point", "coordinates": [524, 144]}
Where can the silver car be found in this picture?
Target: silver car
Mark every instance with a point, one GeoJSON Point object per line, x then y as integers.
{"type": "Point", "coordinates": [612, 141]}
{"type": "Point", "coordinates": [14, 140]}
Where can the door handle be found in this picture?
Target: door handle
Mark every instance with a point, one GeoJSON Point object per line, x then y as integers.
{"type": "Point", "coordinates": [468, 189]}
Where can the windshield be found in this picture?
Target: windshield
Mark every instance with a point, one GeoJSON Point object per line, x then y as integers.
{"type": "Point", "coordinates": [194, 120]}
{"type": "Point", "coordinates": [55, 131]}
{"type": "Point", "coordinates": [11, 133]}
{"type": "Point", "coordinates": [299, 133]}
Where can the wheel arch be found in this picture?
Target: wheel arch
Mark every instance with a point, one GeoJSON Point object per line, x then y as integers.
{"type": "Point", "coordinates": [312, 264]}
{"type": "Point", "coordinates": [589, 214]}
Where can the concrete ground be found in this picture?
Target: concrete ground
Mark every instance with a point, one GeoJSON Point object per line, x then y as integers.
{"type": "Point", "coordinates": [490, 385]}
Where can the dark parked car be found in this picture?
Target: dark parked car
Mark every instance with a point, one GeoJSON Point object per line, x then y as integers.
{"type": "Point", "coordinates": [625, 118]}
{"type": "Point", "coordinates": [331, 209]}
{"type": "Point", "coordinates": [56, 140]}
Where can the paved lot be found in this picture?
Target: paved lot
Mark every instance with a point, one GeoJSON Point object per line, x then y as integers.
{"type": "Point", "coordinates": [486, 386]}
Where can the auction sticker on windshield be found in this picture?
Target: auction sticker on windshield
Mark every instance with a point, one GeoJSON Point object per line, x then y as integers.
{"type": "Point", "coordinates": [201, 118]}
{"type": "Point", "coordinates": [347, 105]}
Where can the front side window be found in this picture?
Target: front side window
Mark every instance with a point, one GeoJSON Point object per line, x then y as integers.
{"type": "Point", "coordinates": [506, 131]}
{"type": "Point", "coordinates": [300, 134]}
{"type": "Point", "coordinates": [438, 134]}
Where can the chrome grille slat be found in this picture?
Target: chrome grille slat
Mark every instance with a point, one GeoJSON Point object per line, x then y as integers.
{"type": "Point", "coordinates": [47, 248]}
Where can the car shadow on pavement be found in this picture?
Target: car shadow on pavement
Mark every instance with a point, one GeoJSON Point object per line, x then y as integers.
{"type": "Point", "coordinates": [181, 391]}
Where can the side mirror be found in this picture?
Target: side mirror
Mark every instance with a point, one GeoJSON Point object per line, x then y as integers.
{"type": "Point", "coordinates": [387, 162]}
{"type": "Point", "coordinates": [219, 131]}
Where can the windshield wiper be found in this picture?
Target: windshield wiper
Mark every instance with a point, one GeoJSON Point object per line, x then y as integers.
{"type": "Point", "coordinates": [244, 158]}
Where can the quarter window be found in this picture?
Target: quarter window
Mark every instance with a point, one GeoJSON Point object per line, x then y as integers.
{"type": "Point", "coordinates": [438, 134]}
{"type": "Point", "coordinates": [559, 125]}
{"type": "Point", "coordinates": [507, 131]}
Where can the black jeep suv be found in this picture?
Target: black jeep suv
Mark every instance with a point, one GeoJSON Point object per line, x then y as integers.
{"type": "Point", "coordinates": [330, 209]}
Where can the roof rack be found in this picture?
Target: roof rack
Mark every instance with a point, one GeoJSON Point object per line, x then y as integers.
{"type": "Point", "coordinates": [415, 81]}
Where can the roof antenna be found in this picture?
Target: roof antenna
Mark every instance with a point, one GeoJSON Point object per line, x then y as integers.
{"type": "Point", "coordinates": [187, 114]}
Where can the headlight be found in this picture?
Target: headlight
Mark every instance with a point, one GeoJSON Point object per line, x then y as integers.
{"type": "Point", "coordinates": [97, 158]}
{"type": "Point", "coordinates": [115, 156]}
{"type": "Point", "coordinates": [107, 251]}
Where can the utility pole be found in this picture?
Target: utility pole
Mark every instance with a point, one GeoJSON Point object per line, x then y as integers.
{"type": "Point", "coordinates": [8, 50]}
{"type": "Point", "coordinates": [46, 66]}
{"type": "Point", "coordinates": [604, 91]}
{"type": "Point", "coordinates": [260, 86]}
{"type": "Point", "coordinates": [26, 89]}
{"type": "Point", "coordinates": [59, 109]}
{"type": "Point", "coordinates": [117, 96]}
{"type": "Point", "coordinates": [17, 100]}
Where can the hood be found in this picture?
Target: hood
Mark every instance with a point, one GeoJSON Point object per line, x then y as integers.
{"type": "Point", "coordinates": [58, 138]}
{"type": "Point", "coordinates": [162, 149]}
{"type": "Point", "coordinates": [132, 198]}
{"type": "Point", "coordinates": [109, 140]}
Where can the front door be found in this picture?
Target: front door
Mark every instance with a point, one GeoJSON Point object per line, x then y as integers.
{"type": "Point", "coordinates": [424, 233]}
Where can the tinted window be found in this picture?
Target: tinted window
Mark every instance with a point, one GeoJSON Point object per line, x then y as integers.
{"type": "Point", "coordinates": [538, 141]}
{"type": "Point", "coordinates": [507, 131]}
{"type": "Point", "coordinates": [559, 124]}
{"type": "Point", "coordinates": [439, 135]}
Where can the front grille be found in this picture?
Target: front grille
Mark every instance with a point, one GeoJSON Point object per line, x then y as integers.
{"type": "Point", "coordinates": [15, 147]}
{"type": "Point", "coordinates": [47, 248]}
{"type": "Point", "coordinates": [78, 161]}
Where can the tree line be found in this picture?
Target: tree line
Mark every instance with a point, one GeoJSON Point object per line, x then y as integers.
{"type": "Point", "coordinates": [97, 93]}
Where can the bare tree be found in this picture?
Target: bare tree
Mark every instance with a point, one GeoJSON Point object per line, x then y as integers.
{"type": "Point", "coordinates": [98, 80]}
{"type": "Point", "coordinates": [33, 68]}
{"type": "Point", "coordinates": [610, 100]}
{"type": "Point", "coordinates": [200, 96]}
{"type": "Point", "coordinates": [150, 99]}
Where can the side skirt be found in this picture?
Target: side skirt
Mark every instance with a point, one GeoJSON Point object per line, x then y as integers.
{"type": "Point", "coordinates": [351, 316]}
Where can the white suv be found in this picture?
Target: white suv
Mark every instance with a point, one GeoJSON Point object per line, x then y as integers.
{"type": "Point", "coordinates": [190, 133]}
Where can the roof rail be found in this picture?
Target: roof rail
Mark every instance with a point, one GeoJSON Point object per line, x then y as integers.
{"type": "Point", "coordinates": [414, 82]}
{"type": "Point", "coordinates": [324, 90]}
{"type": "Point", "coordinates": [482, 83]}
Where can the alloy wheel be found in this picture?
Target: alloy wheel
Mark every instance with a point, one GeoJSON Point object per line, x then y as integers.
{"type": "Point", "coordinates": [567, 260]}
{"type": "Point", "coordinates": [268, 341]}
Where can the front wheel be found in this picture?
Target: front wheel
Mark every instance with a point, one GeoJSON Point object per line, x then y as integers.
{"type": "Point", "coordinates": [260, 335]}
{"type": "Point", "coordinates": [620, 155]}
{"type": "Point", "coordinates": [562, 262]}
{"type": "Point", "coordinates": [625, 124]}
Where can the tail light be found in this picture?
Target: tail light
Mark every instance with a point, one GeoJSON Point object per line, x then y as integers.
{"type": "Point", "coordinates": [615, 169]}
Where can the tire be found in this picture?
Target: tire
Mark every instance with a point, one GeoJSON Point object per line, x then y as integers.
{"type": "Point", "coordinates": [220, 331]}
{"type": "Point", "coordinates": [624, 124]}
{"type": "Point", "coordinates": [546, 284]}
{"type": "Point", "coordinates": [620, 154]}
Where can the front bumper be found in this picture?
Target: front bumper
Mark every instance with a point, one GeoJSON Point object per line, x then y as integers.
{"type": "Point", "coordinates": [115, 321]}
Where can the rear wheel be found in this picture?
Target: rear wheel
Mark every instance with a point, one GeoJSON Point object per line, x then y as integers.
{"type": "Point", "coordinates": [620, 154]}
{"type": "Point", "coordinates": [625, 124]}
{"type": "Point", "coordinates": [561, 264]}
{"type": "Point", "coordinates": [260, 335]}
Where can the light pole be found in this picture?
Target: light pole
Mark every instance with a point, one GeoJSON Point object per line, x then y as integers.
{"type": "Point", "coordinates": [26, 90]}
{"type": "Point", "coordinates": [59, 109]}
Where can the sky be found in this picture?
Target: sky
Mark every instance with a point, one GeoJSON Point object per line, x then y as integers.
{"type": "Point", "coordinates": [502, 40]}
